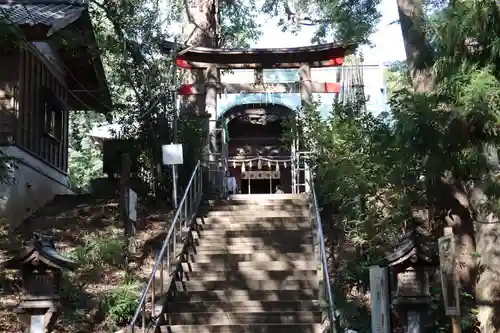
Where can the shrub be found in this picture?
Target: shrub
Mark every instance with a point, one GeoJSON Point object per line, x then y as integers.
{"type": "Point", "coordinates": [100, 250]}
{"type": "Point", "coordinates": [120, 303]}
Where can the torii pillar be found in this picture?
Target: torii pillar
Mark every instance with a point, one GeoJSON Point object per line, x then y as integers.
{"type": "Point", "coordinates": [211, 150]}
{"type": "Point", "coordinates": [306, 89]}
{"type": "Point", "coordinates": [306, 98]}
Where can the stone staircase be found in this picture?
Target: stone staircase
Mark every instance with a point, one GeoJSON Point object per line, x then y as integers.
{"type": "Point", "coordinates": [250, 268]}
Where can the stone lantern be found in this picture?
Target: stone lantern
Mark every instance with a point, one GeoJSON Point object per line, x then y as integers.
{"type": "Point", "coordinates": [41, 266]}
{"type": "Point", "coordinates": [409, 267]}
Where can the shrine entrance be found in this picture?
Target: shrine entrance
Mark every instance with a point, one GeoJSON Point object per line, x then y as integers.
{"type": "Point", "coordinates": [257, 156]}
{"type": "Point", "coordinates": [259, 186]}
{"type": "Point", "coordinates": [254, 131]}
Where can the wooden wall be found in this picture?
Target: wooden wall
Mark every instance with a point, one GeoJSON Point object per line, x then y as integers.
{"type": "Point", "coordinates": [38, 85]}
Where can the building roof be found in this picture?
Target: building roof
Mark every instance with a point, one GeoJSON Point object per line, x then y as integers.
{"type": "Point", "coordinates": [56, 14]}
{"type": "Point", "coordinates": [57, 22]}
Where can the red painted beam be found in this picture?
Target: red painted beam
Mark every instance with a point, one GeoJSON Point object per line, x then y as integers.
{"type": "Point", "coordinates": [187, 89]}
{"type": "Point", "coordinates": [181, 62]}
{"type": "Point", "coordinates": [331, 87]}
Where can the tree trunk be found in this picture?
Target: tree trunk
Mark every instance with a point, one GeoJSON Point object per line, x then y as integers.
{"type": "Point", "coordinates": [487, 234]}
{"type": "Point", "coordinates": [201, 30]}
{"type": "Point", "coordinates": [418, 52]}
{"type": "Point", "coordinates": [457, 205]}
{"type": "Point", "coordinates": [451, 195]}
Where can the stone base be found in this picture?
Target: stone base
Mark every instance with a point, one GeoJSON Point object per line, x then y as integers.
{"type": "Point", "coordinates": [48, 309]}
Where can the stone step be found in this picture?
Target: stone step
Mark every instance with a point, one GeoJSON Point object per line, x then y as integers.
{"type": "Point", "coordinates": [245, 318]}
{"type": "Point", "coordinates": [243, 306]}
{"type": "Point", "coordinates": [275, 238]}
{"type": "Point", "coordinates": [305, 275]}
{"type": "Point", "coordinates": [221, 233]}
{"type": "Point", "coordinates": [250, 213]}
{"type": "Point", "coordinates": [256, 274]}
{"type": "Point", "coordinates": [246, 266]}
{"type": "Point", "coordinates": [246, 295]}
{"type": "Point", "coordinates": [267, 200]}
{"type": "Point", "coordinates": [252, 220]}
{"type": "Point", "coordinates": [238, 225]}
{"type": "Point", "coordinates": [207, 257]}
{"type": "Point", "coordinates": [249, 283]}
{"type": "Point", "coordinates": [222, 247]}
{"type": "Point", "coordinates": [268, 205]}
{"type": "Point", "coordinates": [260, 197]}
{"type": "Point", "coordinates": [254, 328]}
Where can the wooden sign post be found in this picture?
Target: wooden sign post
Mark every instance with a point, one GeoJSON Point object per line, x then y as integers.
{"type": "Point", "coordinates": [379, 292]}
{"type": "Point", "coordinates": [172, 154]}
{"type": "Point", "coordinates": [128, 223]}
{"type": "Point", "coordinates": [447, 263]}
{"type": "Point", "coordinates": [128, 200]}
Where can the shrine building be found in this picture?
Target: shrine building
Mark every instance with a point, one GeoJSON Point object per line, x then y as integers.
{"type": "Point", "coordinates": [251, 106]}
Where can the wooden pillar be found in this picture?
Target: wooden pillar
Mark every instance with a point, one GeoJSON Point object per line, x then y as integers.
{"type": "Point", "coordinates": [305, 85]}
{"type": "Point", "coordinates": [306, 99]}
{"type": "Point", "coordinates": [258, 76]}
{"type": "Point", "coordinates": [211, 79]}
{"type": "Point", "coordinates": [212, 151]}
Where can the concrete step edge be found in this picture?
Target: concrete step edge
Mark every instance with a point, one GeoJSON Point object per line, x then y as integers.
{"type": "Point", "coordinates": [240, 328]}
{"type": "Point", "coordinates": [263, 313]}
{"type": "Point", "coordinates": [247, 325]}
{"type": "Point", "coordinates": [260, 284]}
{"type": "Point", "coordinates": [203, 306]}
{"type": "Point", "coordinates": [292, 265]}
{"type": "Point", "coordinates": [207, 318]}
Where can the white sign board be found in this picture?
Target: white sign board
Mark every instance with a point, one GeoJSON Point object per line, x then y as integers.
{"type": "Point", "coordinates": [379, 292]}
{"type": "Point", "coordinates": [132, 205]}
{"type": "Point", "coordinates": [37, 324]}
{"type": "Point", "coordinates": [446, 245]}
{"type": "Point", "coordinates": [172, 154]}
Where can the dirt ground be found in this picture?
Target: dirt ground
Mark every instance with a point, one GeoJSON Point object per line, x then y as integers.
{"type": "Point", "coordinates": [76, 222]}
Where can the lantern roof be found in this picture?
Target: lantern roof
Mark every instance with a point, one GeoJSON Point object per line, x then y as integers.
{"type": "Point", "coordinates": [41, 250]}
{"type": "Point", "coordinates": [413, 248]}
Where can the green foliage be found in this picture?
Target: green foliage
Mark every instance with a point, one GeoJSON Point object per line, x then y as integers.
{"type": "Point", "coordinates": [7, 165]}
{"type": "Point", "coordinates": [99, 250]}
{"type": "Point", "coordinates": [120, 303]}
{"type": "Point", "coordinates": [382, 174]}
{"type": "Point", "coordinates": [238, 23]}
{"type": "Point", "coordinates": [344, 21]}
{"type": "Point", "coordinates": [85, 156]}
{"type": "Point", "coordinates": [100, 254]}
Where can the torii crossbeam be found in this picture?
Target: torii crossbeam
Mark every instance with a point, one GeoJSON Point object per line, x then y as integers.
{"type": "Point", "coordinates": [324, 55]}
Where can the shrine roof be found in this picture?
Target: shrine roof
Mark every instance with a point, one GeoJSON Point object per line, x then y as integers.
{"type": "Point", "coordinates": [412, 247]}
{"type": "Point", "coordinates": [59, 22]}
{"type": "Point", "coordinates": [323, 55]}
{"type": "Point", "coordinates": [56, 14]}
{"type": "Point", "coordinates": [41, 249]}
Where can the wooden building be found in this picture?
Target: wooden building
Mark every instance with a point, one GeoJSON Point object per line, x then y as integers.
{"type": "Point", "coordinates": [49, 65]}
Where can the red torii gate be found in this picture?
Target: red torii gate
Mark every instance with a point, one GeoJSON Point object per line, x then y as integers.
{"type": "Point", "coordinates": [211, 60]}
{"type": "Point", "coordinates": [304, 58]}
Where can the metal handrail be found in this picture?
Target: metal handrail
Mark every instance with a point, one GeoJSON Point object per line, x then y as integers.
{"type": "Point", "coordinates": [334, 324]}
{"type": "Point", "coordinates": [188, 206]}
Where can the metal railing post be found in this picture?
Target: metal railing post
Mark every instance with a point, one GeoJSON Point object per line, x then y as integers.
{"type": "Point", "coordinates": [183, 216]}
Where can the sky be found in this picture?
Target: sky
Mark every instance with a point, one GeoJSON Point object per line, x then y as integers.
{"type": "Point", "coordinates": [387, 40]}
